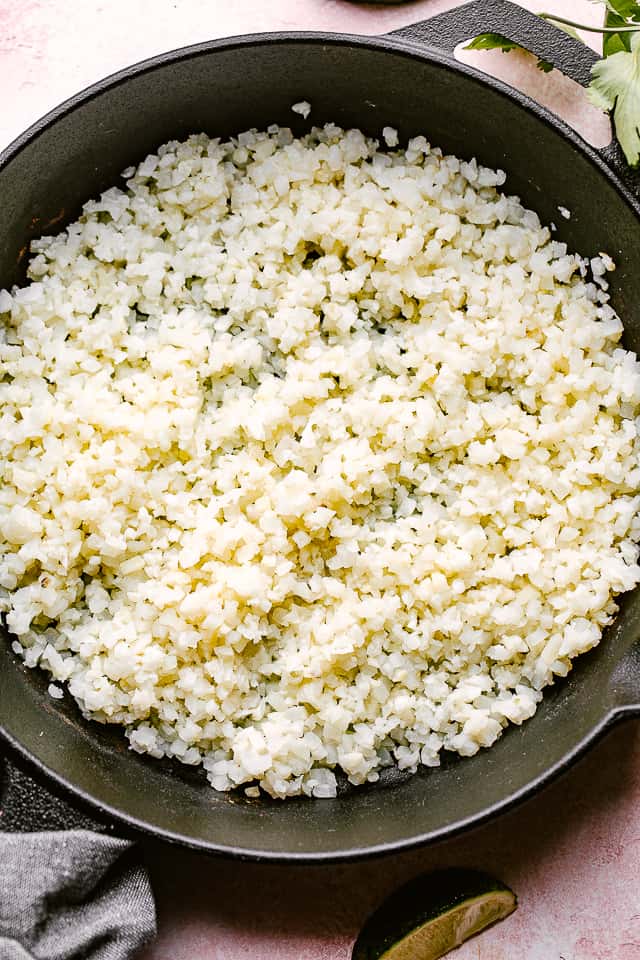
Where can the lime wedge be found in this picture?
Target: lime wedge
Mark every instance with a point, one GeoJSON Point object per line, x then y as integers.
{"type": "Point", "coordinates": [433, 914]}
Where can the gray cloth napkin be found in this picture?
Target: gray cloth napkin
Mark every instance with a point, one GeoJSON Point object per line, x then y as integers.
{"type": "Point", "coordinates": [66, 894]}
{"type": "Point", "coordinates": [72, 895]}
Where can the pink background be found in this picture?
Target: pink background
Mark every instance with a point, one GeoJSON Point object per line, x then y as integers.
{"type": "Point", "coordinates": [573, 853]}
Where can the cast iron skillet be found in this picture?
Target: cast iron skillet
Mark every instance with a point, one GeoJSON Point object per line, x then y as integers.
{"type": "Point", "coordinates": [410, 80]}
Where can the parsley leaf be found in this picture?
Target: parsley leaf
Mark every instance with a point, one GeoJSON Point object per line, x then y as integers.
{"type": "Point", "coordinates": [492, 41]}
{"type": "Point", "coordinates": [620, 13]}
{"type": "Point", "coordinates": [626, 9]}
{"type": "Point", "coordinates": [496, 41]}
{"type": "Point", "coordinates": [616, 86]}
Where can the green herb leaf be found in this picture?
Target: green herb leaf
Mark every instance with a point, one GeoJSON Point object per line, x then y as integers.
{"type": "Point", "coordinates": [492, 41]}
{"type": "Point", "coordinates": [620, 13]}
{"type": "Point", "coordinates": [496, 41]}
{"type": "Point", "coordinates": [616, 86]}
{"type": "Point", "coordinates": [615, 42]}
{"type": "Point", "coordinates": [626, 9]}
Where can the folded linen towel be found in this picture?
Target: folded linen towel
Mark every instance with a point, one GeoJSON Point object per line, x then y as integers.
{"type": "Point", "coordinates": [73, 894]}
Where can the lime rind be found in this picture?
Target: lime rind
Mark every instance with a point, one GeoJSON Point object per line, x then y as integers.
{"type": "Point", "coordinates": [432, 914]}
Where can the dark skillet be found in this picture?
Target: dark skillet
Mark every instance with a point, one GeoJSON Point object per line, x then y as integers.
{"type": "Point", "coordinates": [410, 80]}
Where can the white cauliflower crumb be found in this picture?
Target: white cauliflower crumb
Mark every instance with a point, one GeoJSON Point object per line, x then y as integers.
{"type": "Point", "coordinates": [390, 136]}
{"type": "Point", "coordinates": [564, 213]}
{"type": "Point", "coordinates": [303, 108]}
{"type": "Point", "coordinates": [317, 457]}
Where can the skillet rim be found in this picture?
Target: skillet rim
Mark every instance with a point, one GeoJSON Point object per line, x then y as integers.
{"type": "Point", "coordinates": [392, 42]}
{"type": "Point", "coordinates": [412, 49]}
{"type": "Point", "coordinates": [144, 829]}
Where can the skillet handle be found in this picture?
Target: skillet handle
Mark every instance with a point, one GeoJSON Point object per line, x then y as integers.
{"type": "Point", "coordinates": [572, 57]}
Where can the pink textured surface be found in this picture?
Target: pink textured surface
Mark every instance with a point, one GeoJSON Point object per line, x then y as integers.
{"type": "Point", "coordinates": [573, 853]}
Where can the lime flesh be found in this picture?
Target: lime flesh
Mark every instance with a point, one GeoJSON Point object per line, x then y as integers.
{"type": "Point", "coordinates": [433, 914]}
{"type": "Point", "coordinates": [437, 937]}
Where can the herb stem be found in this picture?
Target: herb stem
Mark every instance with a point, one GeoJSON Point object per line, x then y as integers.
{"type": "Point", "coordinates": [583, 26]}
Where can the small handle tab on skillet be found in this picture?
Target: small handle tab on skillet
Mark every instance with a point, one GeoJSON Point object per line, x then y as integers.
{"type": "Point", "coordinates": [572, 57]}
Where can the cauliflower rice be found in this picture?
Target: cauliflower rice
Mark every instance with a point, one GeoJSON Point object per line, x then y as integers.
{"type": "Point", "coordinates": [316, 456]}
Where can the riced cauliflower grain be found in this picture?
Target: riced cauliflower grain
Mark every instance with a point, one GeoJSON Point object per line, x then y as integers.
{"type": "Point", "coordinates": [303, 108]}
{"type": "Point", "coordinates": [317, 457]}
{"type": "Point", "coordinates": [390, 136]}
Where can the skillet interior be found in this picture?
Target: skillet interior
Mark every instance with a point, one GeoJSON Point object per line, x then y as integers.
{"type": "Point", "coordinates": [225, 88]}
